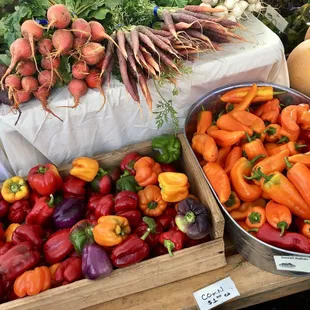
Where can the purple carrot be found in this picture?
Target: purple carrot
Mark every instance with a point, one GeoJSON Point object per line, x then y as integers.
{"type": "Point", "coordinates": [135, 41]}
{"type": "Point", "coordinates": [108, 56]}
{"type": "Point", "coordinates": [146, 40]}
{"type": "Point", "coordinates": [200, 16]}
{"type": "Point", "coordinates": [109, 70]}
{"type": "Point", "coordinates": [131, 59]}
{"type": "Point", "coordinates": [162, 33]}
{"type": "Point", "coordinates": [169, 22]}
{"type": "Point", "coordinates": [121, 42]}
{"type": "Point", "coordinates": [167, 60]}
{"type": "Point", "coordinates": [216, 37]}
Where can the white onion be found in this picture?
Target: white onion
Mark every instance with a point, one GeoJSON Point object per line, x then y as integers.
{"type": "Point", "coordinates": [214, 2]}
{"type": "Point", "coordinates": [207, 1]}
{"type": "Point", "coordinates": [244, 4]}
{"type": "Point", "coordinates": [230, 4]}
{"type": "Point", "coordinates": [220, 14]}
{"type": "Point", "coordinates": [258, 6]}
{"type": "Point", "coordinates": [232, 18]}
{"type": "Point", "coordinates": [238, 10]}
{"type": "Point", "coordinates": [252, 1]}
{"type": "Point", "coordinates": [251, 8]}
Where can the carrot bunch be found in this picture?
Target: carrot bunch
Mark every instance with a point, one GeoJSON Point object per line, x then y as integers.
{"type": "Point", "coordinates": [255, 158]}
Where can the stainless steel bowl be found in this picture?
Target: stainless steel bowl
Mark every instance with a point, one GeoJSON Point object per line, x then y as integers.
{"type": "Point", "coordinates": [255, 251]}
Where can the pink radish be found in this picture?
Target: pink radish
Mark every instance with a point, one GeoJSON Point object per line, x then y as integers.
{"type": "Point", "coordinates": [62, 41]}
{"type": "Point", "coordinates": [21, 96]}
{"type": "Point", "coordinates": [98, 33]}
{"type": "Point", "coordinates": [81, 28]}
{"type": "Point", "coordinates": [77, 88]}
{"type": "Point", "coordinates": [49, 63]}
{"type": "Point", "coordinates": [92, 53]}
{"type": "Point", "coordinates": [93, 80]}
{"type": "Point", "coordinates": [80, 70]}
{"type": "Point", "coordinates": [26, 68]}
{"type": "Point", "coordinates": [58, 16]}
{"type": "Point", "coordinates": [30, 83]}
{"type": "Point", "coordinates": [42, 94]}
{"type": "Point", "coordinates": [47, 78]}
{"type": "Point", "coordinates": [13, 81]}
{"type": "Point", "coordinates": [45, 46]}
{"type": "Point", "coordinates": [79, 42]}
{"type": "Point", "coordinates": [20, 50]}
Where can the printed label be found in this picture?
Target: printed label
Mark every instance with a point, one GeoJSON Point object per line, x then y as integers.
{"type": "Point", "coordinates": [293, 263]}
{"type": "Point", "coordinates": [278, 20]}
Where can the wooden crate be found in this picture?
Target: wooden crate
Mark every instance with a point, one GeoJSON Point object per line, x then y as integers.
{"type": "Point", "coordinates": [147, 274]}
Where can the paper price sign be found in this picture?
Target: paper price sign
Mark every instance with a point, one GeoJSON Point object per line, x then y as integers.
{"type": "Point", "coordinates": [293, 263]}
{"type": "Point", "coordinates": [216, 294]}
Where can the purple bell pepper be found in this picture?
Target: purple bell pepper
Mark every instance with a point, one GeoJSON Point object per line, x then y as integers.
{"type": "Point", "coordinates": [95, 262]}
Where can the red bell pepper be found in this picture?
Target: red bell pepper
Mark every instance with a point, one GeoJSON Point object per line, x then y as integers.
{"type": "Point", "coordinates": [58, 246]}
{"type": "Point", "coordinates": [167, 219]}
{"type": "Point", "coordinates": [5, 247]}
{"type": "Point", "coordinates": [134, 217]}
{"type": "Point", "coordinates": [173, 240]}
{"type": "Point", "coordinates": [45, 179]}
{"type": "Point", "coordinates": [33, 197]}
{"type": "Point", "coordinates": [168, 168]}
{"type": "Point", "coordinates": [131, 251]}
{"type": "Point", "coordinates": [31, 233]}
{"type": "Point", "coordinates": [74, 187]}
{"type": "Point", "coordinates": [191, 242]}
{"type": "Point", "coordinates": [125, 201]}
{"type": "Point", "coordinates": [4, 207]}
{"type": "Point", "coordinates": [102, 183]}
{"type": "Point", "coordinates": [69, 271]}
{"type": "Point", "coordinates": [159, 250]}
{"type": "Point", "coordinates": [4, 290]}
{"type": "Point", "coordinates": [1, 232]}
{"type": "Point", "coordinates": [129, 161]}
{"type": "Point", "coordinates": [105, 206]}
{"type": "Point", "coordinates": [93, 201]}
{"type": "Point", "coordinates": [42, 211]}
{"type": "Point", "coordinates": [18, 211]}
{"type": "Point", "coordinates": [90, 216]}
{"type": "Point", "coordinates": [17, 260]}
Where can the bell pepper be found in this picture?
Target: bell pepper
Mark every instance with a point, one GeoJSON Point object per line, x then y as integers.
{"type": "Point", "coordinates": [174, 186]}
{"type": "Point", "coordinates": [303, 120]}
{"type": "Point", "coordinates": [168, 168]}
{"type": "Point", "coordinates": [289, 116]}
{"type": "Point", "coordinates": [205, 145]}
{"type": "Point", "coordinates": [45, 179]}
{"type": "Point", "coordinates": [105, 206]}
{"type": "Point", "coordinates": [42, 211]}
{"type": "Point", "coordinates": [126, 200]}
{"type": "Point", "coordinates": [134, 217]}
{"type": "Point", "coordinates": [93, 200]}
{"type": "Point", "coordinates": [159, 250]}
{"type": "Point", "coordinates": [102, 183]}
{"type": "Point", "coordinates": [85, 168]}
{"type": "Point", "coordinates": [130, 252]}
{"type": "Point", "coordinates": [32, 282]}
{"type": "Point", "coordinates": [81, 234]}
{"type": "Point", "coordinates": [53, 269]}
{"type": "Point", "coordinates": [250, 120]}
{"type": "Point", "coordinates": [289, 241]}
{"type": "Point", "coordinates": [233, 156]}
{"type": "Point", "coordinates": [212, 129]}
{"type": "Point", "coordinates": [193, 219]}
{"type": "Point", "coordinates": [5, 247]}
{"type": "Point", "coordinates": [1, 232]}
{"type": "Point", "coordinates": [222, 156]}
{"type": "Point", "coordinates": [8, 234]}
{"type": "Point", "coordinates": [128, 162]}
{"type": "Point", "coordinates": [14, 189]}
{"type": "Point", "coordinates": [227, 138]}
{"type": "Point", "coordinates": [254, 147]}
{"type": "Point", "coordinates": [293, 148]}
{"type": "Point", "coordinates": [95, 262]}
{"type": "Point", "coordinates": [17, 260]}
{"type": "Point", "coordinates": [57, 246]}
{"type": "Point", "coordinates": [286, 136]}
{"type": "Point", "coordinates": [272, 133]}
{"type": "Point", "coordinates": [111, 230]}
{"type": "Point", "coordinates": [31, 233]}
{"type": "Point", "coordinates": [278, 216]}
{"type": "Point", "coordinates": [18, 211]}
{"type": "Point", "coordinates": [252, 231]}
{"type": "Point", "coordinates": [74, 187]}
{"type": "Point", "coordinates": [151, 202]}
{"type": "Point", "coordinates": [114, 173]}
{"type": "Point", "coordinates": [147, 171]}
{"type": "Point", "coordinates": [149, 231]}
{"type": "Point", "coordinates": [4, 207]}
{"type": "Point", "coordinates": [167, 148]}
{"type": "Point", "coordinates": [127, 182]}
{"type": "Point", "coordinates": [228, 123]}
{"type": "Point", "coordinates": [70, 270]}
{"type": "Point", "coordinates": [68, 213]}
{"type": "Point", "coordinates": [233, 203]}
{"type": "Point", "coordinates": [264, 93]}
{"type": "Point", "coordinates": [256, 217]}
{"type": "Point", "coordinates": [242, 212]}
{"type": "Point", "coordinates": [300, 158]}
{"type": "Point", "coordinates": [303, 227]}
{"type": "Point", "coordinates": [173, 240]}
{"type": "Point", "coordinates": [33, 197]}
{"type": "Point", "coordinates": [167, 219]}
{"type": "Point", "coordinates": [204, 121]}
{"type": "Point", "coordinates": [219, 180]}
{"type": "Point", "coordinates": [241, 169]}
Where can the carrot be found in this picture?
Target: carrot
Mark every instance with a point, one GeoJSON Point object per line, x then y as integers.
{"type": "Point", "coordinates": [216, 37]}
{"type": "Point", "coordinates": [199, 35]}
{"type": "Point", "coordinates": [145, 90]}
{"type": "Point", "coordinates": [202, 8]}
{"type": "Point", "coordinates": [109, 71]}
{"type": "Point", "coordinates": [150, 60]}
{"type": "Point", "coordinates": [108, 56]}
{"type": "Point", "coordinates": [169, 22]}
{"type": "Point", "coordinates": [200, 15]}
{"type": "Point", "coordinates": [135, 41]}
{"type": "Point", "coordinates": [134, 85]}
{"type": "Point", "coordinates": [131, 59]}
{"type": "Point", "coordinates": [146, 40]}
{"type": "Point", "coordinates": [168, 61]}
{"type": "Point", "coordinates": [121, 42]}
{"type": "Point", "coordinates": [140, 59]}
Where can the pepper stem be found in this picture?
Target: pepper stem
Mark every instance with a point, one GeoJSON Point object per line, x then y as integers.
{"type": "Point", "coordinates": [284, 139]}
{"type": "Point", "coordinates": [125, 174]}
{"type": "Point", "coordinates": [248, 137]}
{"type": "Point", "coordinates": [170, 246]}
{"type": "Point", "coordinates": [190, 217]}
{"type": "Point", "coordinates": [256, 158]}
{"type": "Point", "coordinates": [146, 234]}
{"type": "Point", "coordinates": [51, 201]}
{"type": "Point", "coordinates": [42, 169]}
{"type": "Point", "coordinates": [288, 164]}
{"type": "Point", "coordinates": [152, 205]}
{"type": "Point", "coordinates": [253, 230]}
{"type": "Point", "coordinates": [299, 146]}
{"type": "Point", "coordinates": [255, 176]}
{"type": "Point", "coordinates": [306, 221]}
{"type": "Point", "coordinates": [255, 217]}
{"type": "Point", "coordinates": [282, 226]}
{"type": "Point", "coordinates": [230, 107]}
{"type": "Point", "coordinates": [14, 188]}
{"type": "Point", "coordinates": [265, 176]}
{"type": "Point", "coordinates": [231, 201]}
{"type": "Point", "coordinates": [279, 92]}
{"type": "Point", "coordinates": [202, 108]}
{"type": "Point", "coordinates": [150, 223]}
{"type": "Point", "coordinates": [101, 172]}
{"type": "Point", "coordinates": [270, 131]}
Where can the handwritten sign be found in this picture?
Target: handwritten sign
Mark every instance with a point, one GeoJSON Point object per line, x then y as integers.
{"type": "Point", "coordinates": [278, 20]}
{"type": "Point", "coordinates": [216, 294]}
{"type": "Point", "coordinates": [293, 263]}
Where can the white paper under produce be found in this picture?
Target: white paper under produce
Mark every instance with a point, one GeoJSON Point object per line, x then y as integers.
{"type": "Point", "coordinates": [84, 132]}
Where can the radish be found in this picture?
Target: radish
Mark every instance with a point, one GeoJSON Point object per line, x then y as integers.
{"type": "Point", "coordinates": [93, 80]}
{"type": "Point", "coordinates": [20, 49]}
{"type": "Point", "coordinates": [21, 96]}
{"type": "Point", "coordinates": [26, 68]}
{"type": "Point", "coordinates": [223, 13]}
{"type": "Point", "coordinates": [77, 88]}
{"type": "Point", "coordinates": [13, 82]}
{"type": "Point", "coordinates": [45, 46]}
{"type": "Point", "coordinates": [98, 33]}
{"type": "Point", "coordinates": [92, 53]}
{"type": "Point", "coordinates": [30, 83]}
{"type": "Point", "coordinates": [49, 63]}
{"type": "Point", "coordinates": [42, 94]}
{"type": "Point", "coordinates": [79, 42]}
{"type": "Point", "coordinates": [47, 78]}
{"type": "Point", "coordinates": [80, 70]}
{"type": "Point", "coordinates": [81, 28]}
{"type": "Point", "coordinates": [62, 41]}
{"type": "Point", "coordinates": [58, 16]}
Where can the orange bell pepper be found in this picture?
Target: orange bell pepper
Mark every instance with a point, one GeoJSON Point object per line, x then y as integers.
{"type": "Point", "coordinates": [252, 231]}
{"type": "Point", "coordinates": [256, 217]}
{"type": "Point", "coordinates": [151, 202]}
{"type": "Point", "coordinates": [247, 100]}
{"type": "Point", "coordinates": [241, 169]}
{"type": "Point", "coordinates": [32, 282]}
{"type": "Point", "coordinates": [293, 148]}
{"type": "Point", "coordinates": [243, 210]}
{"type": "Point", "coordinates": [222, 156]}
{"type": "Point", "coordinates": [233, 203]}
{"type": "Point", "coordinates": [204, 121]}
{"type": "Point", "coordinates": [249, 119]}
{"type": "Point", "coordinates": [219, 180]}
{"type": "Point", "coordinates": [303, 227]}
{"type": "Point", "coordinates": [205, 145]}
{"type": "Point", "coordinates": [85, 168]}
{"type": "Point", "coordinates": [111, 230]}
{"type": "Point", "coordinates": [300, 158]}
{"type": "Point", "coordinates": [227, 138]}
{"type": "Point", "coordinates": [211, 129]}
{"type": "Point", "coordinates": [14, 189]}
{"type": "Point", "coordinates": [278, 216]}
{"type": "Point", "coordinates": [228, 123]}
{"type": "Point", "coordinates": [147, 171]}
{"type": "Point", "coordinates": [272, 133]}
{"type": "Point", "coordinates": [254, 148]}
{"type": "Point", "coordinates": [232, 158]}
{"type": "Point", "coordinates": [9, 232]}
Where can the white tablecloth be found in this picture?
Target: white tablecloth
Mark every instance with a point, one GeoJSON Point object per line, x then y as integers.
{"type": "Point", "coordinates": [39, 138]}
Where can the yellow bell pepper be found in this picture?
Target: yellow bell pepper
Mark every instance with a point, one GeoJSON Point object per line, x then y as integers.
{"type": "Point", "coordinates": [85, 168]}
{"type": "Point", "coordinates": [14, 189]}
{"type": "Point", "coordinates": [9, 232]}
{"type": "Point", "coordinates": [174, 186]}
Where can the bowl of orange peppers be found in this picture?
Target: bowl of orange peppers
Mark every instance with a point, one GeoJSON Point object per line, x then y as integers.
{"type": "Point", "coordinates": [252, 142]}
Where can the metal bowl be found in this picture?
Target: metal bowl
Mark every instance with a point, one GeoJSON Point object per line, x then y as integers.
{"type": "Point", "coordinates": [255, 251]}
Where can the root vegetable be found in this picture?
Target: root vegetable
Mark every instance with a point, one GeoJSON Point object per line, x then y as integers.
{"type": "Point", "coordinates": [58, 16]}
{"type": "Point", "coordinates": [45, 46]}
{"type": "Point", "coordinates": [13, 82]}
{"type": "Point", "coordinates": [79, 42]}
{"type": "Point", "coordinates": [100, 63]}
{"type": "Point", "coordinates": [135, 41]}
{"type": "Point", "coordinates": [98, 33]}
{"type": "Point", "coordinates": [131, 60]}
{"type": "Point", "coordinates": [77, 89]}
{"type": "Point", "coordinates": [222, 12]}
{"type": "Point", "coordinates": [121, 42]}
{"type": "Point", "coordinates": [108, 57]}
{"type": "Point", "coordinates": [47, 79]}
{"type": "Point", "coordinates": [21, 96]}
{"type": "Point", "coordinates": [42, 94]}
{"type": "Point", "coordinates": [62, 42]}
{"type": "Point", "coordinates": [146, 40]}
{"type": "Point", "coordinates": [50, 63]}
{"type": "Point", "coordinates": [203, 8]}
{"type": "Point", "coordinates": [92, 53]}
{"type": "Point", "coordinates": [162, 33]}
{"type": "Point", "coordinates": [229, 4]}
{"type": "Point", "coordinates": [30, 84]}
{"type": "Point", "coordinates": [238, 10]}
{"type": "Point", "coordinates": [169, 22]}
{"type": "Point", "coordinates": [26, 68]}
{"type": "Point", "coordinates": [80, 70]}
{"type": "Point", "coordinates": [140, 59]}
{"type": "Point", "coordinates": [81, 28]}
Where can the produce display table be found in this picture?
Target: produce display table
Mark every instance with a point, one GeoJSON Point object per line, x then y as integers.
{"type": "Point", "coordinates": [39, 138]}
{"type": "Point", "coordinates": [254, 285]}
